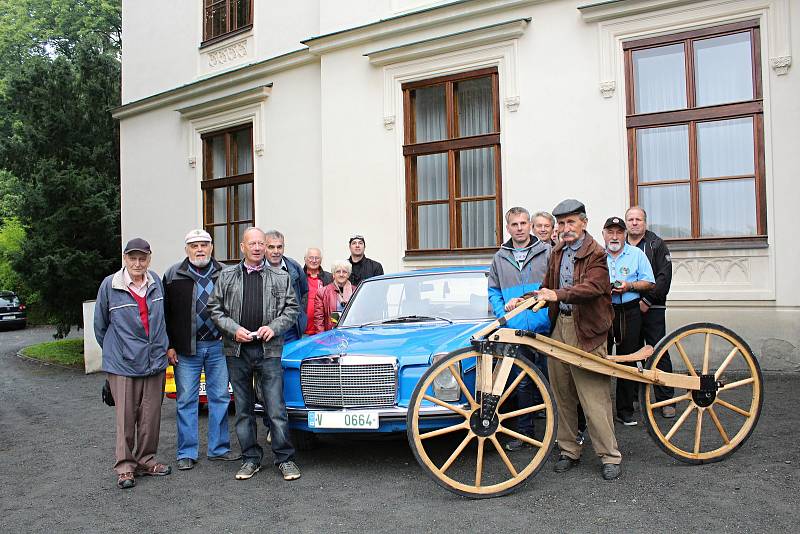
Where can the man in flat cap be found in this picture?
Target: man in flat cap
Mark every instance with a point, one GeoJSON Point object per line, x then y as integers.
{"type": "Point", "coordinates": [129, 326]}
{"type": "Point", "coordinates": [578, 289]}
{"type": "Point", "coordinates": [363, 267]}
{"type": "Point", "coordinates": [195, 347]}
{"type": "Point", "coordinates": [631, 274]}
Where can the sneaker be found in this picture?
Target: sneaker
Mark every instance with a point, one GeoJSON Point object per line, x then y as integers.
{"type": "Point", "coordinates": [516, 445]}
{"type": "Point", "coordinates": [126, 480]}
{"type": "Point", "coordinates": [565, 463]}
{"type": "Point", "coordinates": [185, 464]}
{"type": "Point", "coordinates": [611, 471]}
{"type": "Point", "coordinates": [668, 412]}
{"type": "Point", "coordinates": [155, 470]}
{"type": "Point", "coordinates": [247, 470]}
{"type": "Point", "coordinates": [229, 456]}
{"type": "Point", "coordinates": [627, 420]}
{"type": "Point", "coordinates": [289, 470]}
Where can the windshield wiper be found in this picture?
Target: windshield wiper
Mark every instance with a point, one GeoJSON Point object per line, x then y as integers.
{"type": "Point", "coordinates": [408, 319]}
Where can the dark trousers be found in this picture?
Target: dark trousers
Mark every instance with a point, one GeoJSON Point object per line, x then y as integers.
{"type": "Point", "coordinates": [528, 395]}
{"type": "Point", "coordinates": [654, 328]}
{"type": "Point", "coordinates": [625, 334]}
{"type": "Point", "coordinates": [242, 371]}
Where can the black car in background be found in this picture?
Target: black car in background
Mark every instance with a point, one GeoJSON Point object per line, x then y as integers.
{"type": "Point", "coordinates": [12, 311]}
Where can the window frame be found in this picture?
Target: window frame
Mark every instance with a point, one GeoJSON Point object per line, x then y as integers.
{"type": "Point", "coordinates": [690, 116]}
{"type": "Point", "coordinates": [232, 178]}
{"type": "Point", "coordinates": [207, 6]}
{"type": "Point", "coordinates": [450, 146]}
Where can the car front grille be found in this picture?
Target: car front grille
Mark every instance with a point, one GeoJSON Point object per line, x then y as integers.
{"type": "Point", "coordinates": [348, 383]}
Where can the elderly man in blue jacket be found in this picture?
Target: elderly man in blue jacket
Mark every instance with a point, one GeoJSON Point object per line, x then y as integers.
{"type": "Point", "coordinates": [518, 268]}
{"type": "Point", "coordinates": [129, 326]}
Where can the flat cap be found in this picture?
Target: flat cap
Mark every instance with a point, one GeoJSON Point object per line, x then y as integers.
{"type": "Point", "coordinates": [566, 207]}
{"type": "Point", "coordinates": [615, 221]}
{"type": "Point", "coordinates": [137, 244]}
{"type": "Point", "coordinates": [197, 235]}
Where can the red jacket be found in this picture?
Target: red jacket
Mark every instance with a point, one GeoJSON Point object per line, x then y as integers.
{"type": "Point", "coordinates": [327, 302]}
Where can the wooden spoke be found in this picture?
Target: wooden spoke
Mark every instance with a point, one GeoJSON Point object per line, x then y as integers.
{"type": "Point", "coordinates": [463, 386]}
{"type": "Point", "coordinates": [450, 407]}
{"type": "Point", "coordinates": [479, 462]}
{"type": "Point", "coordinates": [679, 422]}
{"type": "Point", "coordinates": [738, 384]}
{"type": "Point", "coordinates": [732, 408]}
{"type": "Point", "coordinates": [673, 400]}
{"type": "Point", "coordinates": [521, 411]}
{"type": "Point", "coordinates": [718, 424]}
{"type": "Point", "coordinates": [504, 456]}
{"type": "Point", "coordinates": [698, 431]}
{"type": "Point", "coordinates": [456, 453]}
{"type": "Point", "coordinates": [706, 353]}
{"type": "Point", "coordinates": [510, 389]}
{"type": "Point", "coordinates": [521, 437]}
{"type": "Point", "coordinates": [486, 372]}
{"type": "Point", "coordinates": [446, 430]}
{"type": "Point", "coordinates": [725, 363]}
{"type": "Point", "coordinates": [686, 360]}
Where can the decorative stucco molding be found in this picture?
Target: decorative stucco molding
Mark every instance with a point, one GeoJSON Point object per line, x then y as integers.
{"type": "Point", "coordinates": [716, 271]}
{"type": "Point", "coordinates": [259, 149]}
{"type": "Point", "coordinates": [780, 64]}
{"type": "Point", "coordinates": [512, 103]}
{"type": "Point", "coordinates": [227, 54]}
{"type": "Point", "coordinates": [634, 19]}
{"type": "Point", "coordinates": [388, 122]}
{"type": "Point", "coordinates": [192, 162]}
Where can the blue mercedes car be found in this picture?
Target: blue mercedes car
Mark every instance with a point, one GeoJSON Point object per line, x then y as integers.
{"type": "Point", "coordinates": [359, 377]}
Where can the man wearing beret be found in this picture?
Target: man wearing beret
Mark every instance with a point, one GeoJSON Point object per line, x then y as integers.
{"type": "Point", "coordinates": [578, 288]}
{"type": "Point", "coordinates": [130, 329]}
{"type": "Point", "coordinates": [631, 275]}
{"type": "Point", "coordinates": [195, 347]}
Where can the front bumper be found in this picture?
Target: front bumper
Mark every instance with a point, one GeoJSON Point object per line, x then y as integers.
{"type": "Point", "coordinates": [391, 419]}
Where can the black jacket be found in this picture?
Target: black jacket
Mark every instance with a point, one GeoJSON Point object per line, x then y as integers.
{"type": "Point", "coordinates": [366, 268]}
{"type": "Point", "coordinates": [657, 252]}
{"type": "Point", "coordinates": [179, 306]}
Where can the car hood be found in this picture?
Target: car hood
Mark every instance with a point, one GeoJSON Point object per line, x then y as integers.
{"type": "Point", "coordinates": [412, 343]}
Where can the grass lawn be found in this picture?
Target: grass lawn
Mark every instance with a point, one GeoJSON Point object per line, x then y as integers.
{"type": "Point", "coordinates": [63, 352]}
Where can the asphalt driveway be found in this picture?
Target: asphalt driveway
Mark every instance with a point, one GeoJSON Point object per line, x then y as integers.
{"type": "Point", "coordinates": [56, 454]}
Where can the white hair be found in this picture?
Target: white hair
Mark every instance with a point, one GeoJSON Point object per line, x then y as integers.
{"type": "Point", "coordinates": [341, 264]}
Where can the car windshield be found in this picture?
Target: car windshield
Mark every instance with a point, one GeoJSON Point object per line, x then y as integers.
{"type": "Point", "coordinates": [8, 299]}
{"type": "Point", "coordinates": [420, 298]}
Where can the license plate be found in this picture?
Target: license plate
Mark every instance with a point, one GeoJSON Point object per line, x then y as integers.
{"type": "Point", "coordinates": [9, 317]}
{"type": "Point", "coordinates": [202, 388]}
{"type": "Point", "coordinates": [352, 420]}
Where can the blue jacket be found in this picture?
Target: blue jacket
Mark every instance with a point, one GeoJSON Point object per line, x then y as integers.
{"type": "Point", "coordinates": [127, 350]}
{"type": "Point", "coordinates": [508, 281]}
{"type": "Point", "coordinates": [300, 286]}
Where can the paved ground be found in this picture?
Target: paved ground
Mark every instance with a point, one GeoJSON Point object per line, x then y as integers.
{"type": "Point", "coordinates": [56, 452]}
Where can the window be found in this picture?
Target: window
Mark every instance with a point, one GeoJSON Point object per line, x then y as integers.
{"type": "Point", "coordinates": [695, 132]}
{"type": "Point", "coordinates": [223, 17]}
{"type": "Point", "coordinates": [452, 159]}
{"type": "Point", "coordinates": [228, 188]}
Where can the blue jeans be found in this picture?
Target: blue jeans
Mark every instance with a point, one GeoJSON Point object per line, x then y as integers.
{"type": "Point", "coordinates": [187, 383]}
{"type": "Point", "coordinates": [251, 365]}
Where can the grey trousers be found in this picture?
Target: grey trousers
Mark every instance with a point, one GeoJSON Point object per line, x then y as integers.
{"type": "Point", "coordinates": [138, 407]}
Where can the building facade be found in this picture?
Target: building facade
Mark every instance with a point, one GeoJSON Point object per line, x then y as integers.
{"type": "Point", "coordinates": [417, 123]}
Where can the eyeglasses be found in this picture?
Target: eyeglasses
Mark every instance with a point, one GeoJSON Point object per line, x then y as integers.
{"type": "Point", "coordinates": [313, 258]}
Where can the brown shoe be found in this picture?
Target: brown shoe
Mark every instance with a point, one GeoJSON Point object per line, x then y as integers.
{"type": "Point", "coordinates": [155, 470]}
{"type": "Point", "coordinates": [126, 480]}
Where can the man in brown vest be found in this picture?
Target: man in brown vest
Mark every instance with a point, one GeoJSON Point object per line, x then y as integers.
{"type": "Point", "coordinates": [578, 288]}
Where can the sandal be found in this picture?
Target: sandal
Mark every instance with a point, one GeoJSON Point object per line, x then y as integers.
{"type": "Point", "coordinates": [126, 480]}
{"type": "Point", "coordinates": [155, 470]}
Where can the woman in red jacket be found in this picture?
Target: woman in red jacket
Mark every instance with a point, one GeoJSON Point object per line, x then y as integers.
{"type": "Point", "coordinates": [334, 297]}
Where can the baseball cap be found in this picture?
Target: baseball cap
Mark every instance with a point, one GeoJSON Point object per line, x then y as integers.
{"type": "Point", "coordinates": [357, 236]}
{"type": "Point", "coordinates": [197, 235]}
{"type": "Point", "coordinates": [137, 244]}
{"type": "Point", "coordinates": [614, 221]}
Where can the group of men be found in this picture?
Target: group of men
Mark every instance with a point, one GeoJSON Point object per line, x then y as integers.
{"type": "Point", "coordinates": [230, 323]}
{"type": "Point", "coordinates": [600, 299]}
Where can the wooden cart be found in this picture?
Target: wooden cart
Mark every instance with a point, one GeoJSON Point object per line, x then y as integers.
{"type": "Point", "coordinates": [720, 390]}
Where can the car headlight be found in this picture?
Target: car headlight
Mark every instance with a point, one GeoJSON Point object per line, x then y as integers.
{"type": "Point", "coordinates": [445, 386]}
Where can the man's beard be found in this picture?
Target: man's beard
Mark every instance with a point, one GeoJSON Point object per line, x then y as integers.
{"type": "Point", "coordinates": [614, 247]}
{"type": "Point", "coordinates": [200, 263]}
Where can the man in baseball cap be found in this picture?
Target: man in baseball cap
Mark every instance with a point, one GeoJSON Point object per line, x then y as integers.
{"type": "Point", "coordinates": [363, 267]}
{"type": "Point", "coordinates": [196, 346]}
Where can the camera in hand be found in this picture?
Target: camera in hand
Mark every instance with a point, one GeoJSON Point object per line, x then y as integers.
{"type": "Point", "coordinates": [617, 284]}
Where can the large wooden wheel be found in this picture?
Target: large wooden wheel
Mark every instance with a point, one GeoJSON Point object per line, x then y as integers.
{"type": "Point", "coordinates": [467, 456]}
{"type": "Point", "coordinates": [712, 423]}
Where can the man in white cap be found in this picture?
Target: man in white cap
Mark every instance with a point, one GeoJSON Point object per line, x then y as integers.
{"type": "Point", "coordinates": [195, 345]}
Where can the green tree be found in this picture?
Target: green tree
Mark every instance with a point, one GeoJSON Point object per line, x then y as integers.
{"type": "Point", "coordinates": [59, 146]}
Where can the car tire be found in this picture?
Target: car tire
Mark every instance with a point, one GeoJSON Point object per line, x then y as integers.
{"type": "Point", "coordinates": [303, 440]}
